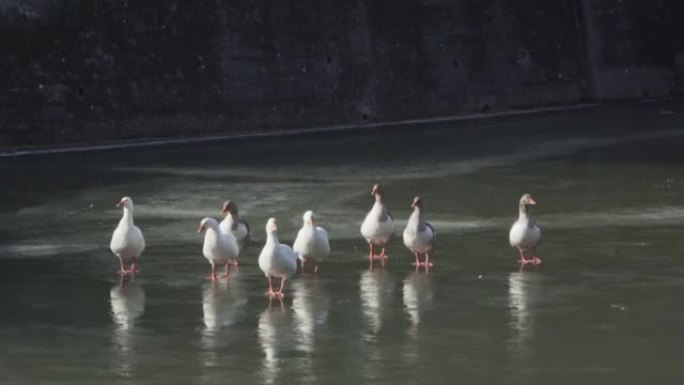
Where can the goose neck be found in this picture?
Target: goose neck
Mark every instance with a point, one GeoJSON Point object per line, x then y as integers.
{"type": "Point", "coordinates": [127, 218]}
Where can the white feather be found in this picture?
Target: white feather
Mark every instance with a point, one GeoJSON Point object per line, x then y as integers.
{"type": "Point", "coordinates": [524, 234]}
{"type": "Point", "coordinates": [276, 259]}
{"type": "Point", "coordinates": [218, 247]}
{"type": "Point", "coordinates": [241, 233]}
{"type": "Point", "coordinates": [373, 229]}
{"type": "Point", "coordinates": [416, 240]}
{"type": "Point", "coordinates": [127, 239]}
{"type": "Point", "coordinates": [312, 242]}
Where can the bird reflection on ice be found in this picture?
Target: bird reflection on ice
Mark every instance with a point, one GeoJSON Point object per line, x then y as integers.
{"type": "Point", "coordinates": [275, 336]}
{"type": "Point", "coordinates": [522, 290]}
{"type": "Point", "coordinates": [311, 304]}
{"type": "Point", "coordinates": [223, 303]}
{"type": "Point", "coordinates": [418, 295]}
{"type": "Point", "coordinates": [376, 288]}
{"type": "Point", "coordinates": [128, 304]}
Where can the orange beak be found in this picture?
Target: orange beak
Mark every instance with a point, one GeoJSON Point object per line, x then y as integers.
{"type": "Point", "coordinates": [532, 202]}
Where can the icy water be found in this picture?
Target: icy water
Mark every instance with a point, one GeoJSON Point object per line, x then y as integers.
{"type": "Point", "coordinates": [606, 306]}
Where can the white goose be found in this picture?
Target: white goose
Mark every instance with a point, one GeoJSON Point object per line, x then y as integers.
{"type": "Point", "coordinates": [525, 234]}
{"type": "Point", "coordinates": [127, 240]}
{"type": "Point", "coordinates": [218, 247]}
{"type": "Point", "coordinates": [235, 225]}
{"type": "Point", "coordinates": [378, 227]}
{"type": "Point", "coordinates": [276, 260]}
{"type": "Point", "coordinates": [312, 242]}
{"type": "Point", "coordinates": [419, 236]}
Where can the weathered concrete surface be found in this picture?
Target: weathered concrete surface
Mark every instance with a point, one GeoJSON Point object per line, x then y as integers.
{"type": "Point", "coordinates": [85, 71]}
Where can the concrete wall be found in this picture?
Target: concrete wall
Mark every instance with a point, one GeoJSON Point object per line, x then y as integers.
{"type": "Point", "coordinates": [84, 71]}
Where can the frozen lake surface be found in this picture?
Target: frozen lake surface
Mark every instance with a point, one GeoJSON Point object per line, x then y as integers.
{"type": "Point", "coordinates": [606, 305]}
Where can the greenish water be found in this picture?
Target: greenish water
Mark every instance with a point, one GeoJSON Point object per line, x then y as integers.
{"type": "Point", "coordinates": [604, 307]}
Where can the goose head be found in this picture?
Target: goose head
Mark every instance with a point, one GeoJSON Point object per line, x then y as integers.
{"type": "Point", "coordinates": [271, 226]}
{"type": "Point", "coordinates": [525, 202]}
{"type": "Point", "coordinates": [125, 202]}
{"type": "Point", "coordinates": [378, 192]}
{"type": "Point", "coordinates": [208, 223]}
{"type": "Point", "coordinates": [229, 207]}
{"type": "Point", "coordinates": [417, 203]}
{"type": "Point", "coordinates": [309, 218]}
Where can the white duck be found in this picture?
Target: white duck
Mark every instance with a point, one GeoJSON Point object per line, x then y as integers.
{"type": "Point", "coordinates": [311, 243]}
{"type": "Point", "coordinates": [276, 260]}
{"type": "Point", "coordinates": [525, 234]}
{"type": "Point", "coordinates": [232, 223]}
{"type": "Point", "coordinates": [419, 236]}
{"type": "Point", "coordinates": [218, 247]}
{"type": "Point", "coordinates": [127, 240]}
{"type": "Point", "coordinates": [378, 227]}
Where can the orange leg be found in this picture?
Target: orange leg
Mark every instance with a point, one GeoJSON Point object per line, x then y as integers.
{"type": "Point", "coordinates": [279, 294]}
{"type": "Point", "coordinates": [427, 263]}
{"type": "Point", "coordinates": [226, 273]}
{"type": "Point", "coordinates": [417, 262]}
{"type": "Point", "coordinates": [535, 258]}
{"type": "Point", "coordinates": [270, 293]}
{"type": "Point", "coordinates": [212, 276]}
{"type": "Point", "coordinates": [122, 269]}
{"type": "Point", "coordinates": [522, 259]}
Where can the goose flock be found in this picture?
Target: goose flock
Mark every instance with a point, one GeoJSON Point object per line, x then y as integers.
{"type": "Point", "coordinates": [224, 241]}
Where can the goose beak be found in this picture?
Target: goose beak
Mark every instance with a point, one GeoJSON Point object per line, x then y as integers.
{"type": "Point", "coordinates": [120, 203]}
{"type": "Point", "coordinates": [201, 229]}
{"type": "Point", "coordinates": [532, 202]}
